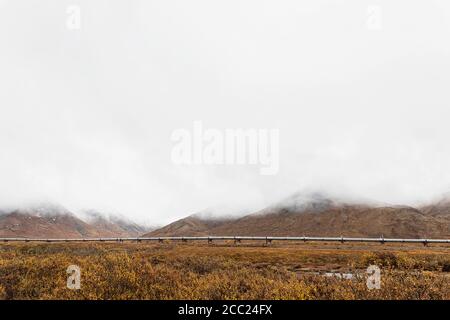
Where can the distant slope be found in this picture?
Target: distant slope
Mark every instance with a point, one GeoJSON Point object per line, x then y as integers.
{"type": "Point", "coordinates": [317, 214]}
{"type": "Point", "coordinates": [349, 221]}
{"type": "Point", "coordinates": [48, 222]}
{"type": "Point", "coordinates": [113, 226]}
{"type": "Point", "coordinates": [194, 225]}
{"type": "Point", "coordinates": [53, 221]}
{"type": "Point", "coordinates": [440, 208]}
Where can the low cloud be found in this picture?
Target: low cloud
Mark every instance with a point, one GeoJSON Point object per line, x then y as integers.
{"type": "Point", "coordinates": [87, 114]}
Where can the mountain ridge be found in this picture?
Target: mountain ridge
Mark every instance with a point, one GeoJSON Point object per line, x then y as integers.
{"type": "Point", "coordinates": [318, 214]}
{"type": "Point", "coordinates": [55, 221]}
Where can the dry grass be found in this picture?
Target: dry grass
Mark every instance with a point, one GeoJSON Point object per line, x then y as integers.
{"type": "Point", "coordinates": [196, 271]}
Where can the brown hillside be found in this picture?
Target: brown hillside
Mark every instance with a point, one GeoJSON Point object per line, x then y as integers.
{"type": "Point", "coordinates": [114, 226]}
{"type": "Point", "coordinates": [52, 221]}
{"type": "Point", "coordinates": [193, 225]}
{"type": "Point", "coordinates": [439, 209]}
{"type": "Point", "coordinates": [318, 215]}
{"type": "Point", "coordinates": [348, 221]}
{"type": "Point", "coordinates": [21, 225]}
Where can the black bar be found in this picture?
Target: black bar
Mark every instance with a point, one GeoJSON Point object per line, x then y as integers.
{"type": "Point", "coordinates": [224, 309]}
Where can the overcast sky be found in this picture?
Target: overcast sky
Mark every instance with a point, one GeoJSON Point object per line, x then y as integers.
{"type": "Point", "coordinates": [359, 91]}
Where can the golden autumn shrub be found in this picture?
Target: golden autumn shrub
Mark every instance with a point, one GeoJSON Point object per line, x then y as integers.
{"type": "Point", "coordinates": [149, 271]}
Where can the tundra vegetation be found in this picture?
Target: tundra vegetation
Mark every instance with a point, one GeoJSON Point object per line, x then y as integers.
{"type": "Point", "coordinates": [222, 271]}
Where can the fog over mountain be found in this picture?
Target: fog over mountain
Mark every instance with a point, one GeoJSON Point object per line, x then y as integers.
{"type": "Point", "coordinates": [48, 220]}
{"type": "Point", "coordinates": [319, 214]}
{"type": "Point", "coordinates": [87, 114]}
